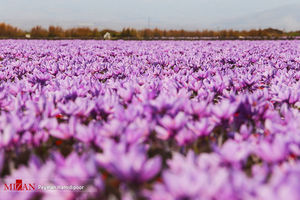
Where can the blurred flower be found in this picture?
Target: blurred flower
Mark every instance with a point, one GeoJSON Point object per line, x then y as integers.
{"type": "Point", "coordinates": [169, 126]}
{"type": "Point", "coordinates": [225, 109]}
{"type": "Point", "coordinates": [129, 164]}
{"type": "Point", "coordinates": [202, 127]}
{"type": "Point", "coordinates": [234, 152]}
{"type": "Point", "coordinates": [273, 151]}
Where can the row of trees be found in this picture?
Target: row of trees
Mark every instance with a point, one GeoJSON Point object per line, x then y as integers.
{"type": "Point", "coordinates": [56, 32]}
{"type": "Point", "coordinates": [222, 34]}
{"type": "Point", "coordinates": [10, 31]}
{"type": "Point", "coordinates": [59, 32]}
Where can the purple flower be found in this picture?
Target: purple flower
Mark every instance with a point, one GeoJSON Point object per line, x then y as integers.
{"type": "Point", "coordinates": [64, 130]}
{"type": "Point", "coordinates": [35, 173]}
{"type": "Point", "coordinates": [283, 184]}
{"type": "Point", "coordinates": [170, 125]}
{"type": "Point", "coordinates": [184, 136]}
{"type": "Point", "coordinates": [137, 132]}
{"type": "Point", "coordinates": [234, 152]}
{"type": "Point", "coordinates": [273, 151]}
{"type": "Point", "coordinates": [202, 127]}
{"type": "Point", "coordinates": [129, 164]}
{"type": "Point", "coordinates": [225, 109]}
{"type": "Point", "coordinates": [126, 94]}
{"type": "Point", "coordinates": [200, 177]}
{"type": "Point", "coordinates": [76, 170]}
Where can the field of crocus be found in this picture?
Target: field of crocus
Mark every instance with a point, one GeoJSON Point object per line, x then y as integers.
{"type": "Point", "coordinates": [160, 120]}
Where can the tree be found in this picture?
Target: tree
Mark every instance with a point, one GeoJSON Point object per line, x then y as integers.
{"type": "Point", "coordinates": [38, 32]}
{"type": "Point", "coordinates": [56, 31]}
{"type": "Point", "coordinates": [10, 31]}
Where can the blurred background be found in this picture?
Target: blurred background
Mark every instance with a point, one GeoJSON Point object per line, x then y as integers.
{"type": "Point", "coordinates": [164, 15]}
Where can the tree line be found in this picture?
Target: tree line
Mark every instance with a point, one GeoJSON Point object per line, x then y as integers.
{"type": "Point", "coordinates": [57, 32]}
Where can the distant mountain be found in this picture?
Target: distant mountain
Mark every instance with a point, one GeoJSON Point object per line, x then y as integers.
{"type": "Point", "coordinates": [284, 18]}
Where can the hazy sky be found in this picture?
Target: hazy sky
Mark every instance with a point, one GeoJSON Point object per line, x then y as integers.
{"type": "Point", "coordinates": [188, 14]}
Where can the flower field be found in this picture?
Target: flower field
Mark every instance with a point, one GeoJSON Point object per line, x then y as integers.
{"type": "Point", "coordinates": [160, 120]}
